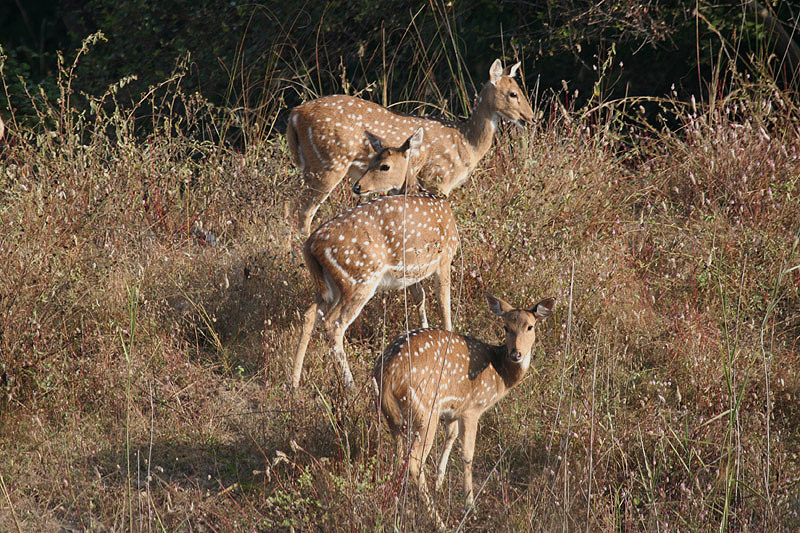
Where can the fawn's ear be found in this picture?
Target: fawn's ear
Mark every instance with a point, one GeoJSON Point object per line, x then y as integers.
{"type": "Point", "coordinates": [543, 309]}
{"type": "Point", "coordinates": [374, 141]}
{"type": "Point", "coordinates": [496, 71]}
{"type": "Point", "coordinates": [498, 306]}
{"type": "Point", "coordinates": [415, 141]}
{"type": "Point", "coordinates": [512, 70]}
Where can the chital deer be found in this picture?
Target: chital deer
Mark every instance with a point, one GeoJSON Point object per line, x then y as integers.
{"type": "Point", "coordinates": [326, 138]}
{"type": "Point", "coordinates": [389, 243]}
{"type": "Point", "coordinates": [430, 374]}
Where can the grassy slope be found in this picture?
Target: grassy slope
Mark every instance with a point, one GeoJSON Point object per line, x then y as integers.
{"type": "Point", "coordinates": [144, 370]}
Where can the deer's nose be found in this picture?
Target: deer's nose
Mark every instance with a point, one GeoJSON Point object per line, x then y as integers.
{"type": "Point", "coordinates": [357, 188]}
{"type": "Point", "coordinates": [515, 356]}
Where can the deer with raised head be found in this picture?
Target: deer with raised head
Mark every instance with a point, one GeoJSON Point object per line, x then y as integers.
{"type": "Point", "coordinates": [326, 138]}
{"type": "Point", "coordinates": [392, 242]}
{"type": "Point", "coordinates": [430, 374]}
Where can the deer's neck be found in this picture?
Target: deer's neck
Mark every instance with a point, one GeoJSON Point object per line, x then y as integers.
{"type": "Point", "coordinates": [510, 373]}
{"type": "Point", "coordinates": [480, 127]}
{"type": "Point", "coordinates": [411, 185]}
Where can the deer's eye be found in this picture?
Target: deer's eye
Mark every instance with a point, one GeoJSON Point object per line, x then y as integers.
{"type": "Point", "coordinates": [384, 168]}
{"type": "Point", "coordinates": [512, 94]}
{"type": "Point", "coordinates": [530, 328]}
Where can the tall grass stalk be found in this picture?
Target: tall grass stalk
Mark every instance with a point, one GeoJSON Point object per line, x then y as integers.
{"type": "Point", "coordinates": [591, 431]}
{"type": "Point", "coordinates": [127, 349]}
{"type": "Point", "coordinates": [766, 358]}
{"type": "Point", "coordinates": [647, 481]}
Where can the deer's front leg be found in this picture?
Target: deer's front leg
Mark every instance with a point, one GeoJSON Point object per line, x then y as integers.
{"type": "Point", "coordinates": [418, 295]}
{"type": "Point", "coordinates": [443, 284]}
{"type": "Point", "coordinates": [469, 430]}
{"type": "Point", "coordinates": [309, 321]}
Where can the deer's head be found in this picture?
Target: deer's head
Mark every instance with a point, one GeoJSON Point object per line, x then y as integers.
{"type": "Point", "coordinates": [506, 96]}
{"type": "Point", "coordinates": [390, 169]}
{"type": "Point", "coordinates": [519, 326]}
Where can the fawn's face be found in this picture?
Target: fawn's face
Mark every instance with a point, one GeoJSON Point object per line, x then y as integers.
{"type": "Point", "coordinates": [388, 169]}
{"type": "Point", "coordinates": [519, 325]}
{"type": "Point", "coordinates": [520, 336]}
{"type": "Point", "coordinates": [386, 172]}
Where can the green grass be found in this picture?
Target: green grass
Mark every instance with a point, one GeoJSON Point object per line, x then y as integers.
{"type": "Point", "coordinates": [144, 365]}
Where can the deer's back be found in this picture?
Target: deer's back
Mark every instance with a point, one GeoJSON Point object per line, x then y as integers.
{"type": "Point", "coordinates": [392, 236]}
{"type": "Point", "coordinates": [433, 370]}
{"type": "Point", "coordinates": [335, 126]}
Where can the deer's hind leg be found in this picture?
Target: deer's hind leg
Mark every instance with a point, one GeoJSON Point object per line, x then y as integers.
{"type": "Point", "coordinates": [420, 448]}
{"type": "Point", "coordinates": [339, 319]}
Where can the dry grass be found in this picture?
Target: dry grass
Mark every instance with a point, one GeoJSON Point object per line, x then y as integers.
{"type": "Point", "coordinates": [149, 308]}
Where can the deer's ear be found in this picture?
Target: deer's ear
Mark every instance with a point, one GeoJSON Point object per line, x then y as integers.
{"type": "Point", "coordinates": [374, 141]}
{"type": "Point", "coordinates": [496, 71]}
{"type": "Point", "coordinates": [498, 306]}
{"type": "Point", "coordinates": [543, 309]}
{"type": "Point", "coordinates": [512, 71]}
{"type": "Point", "coordinates": [415, 141]}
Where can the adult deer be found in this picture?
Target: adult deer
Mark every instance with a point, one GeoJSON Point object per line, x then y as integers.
{"type": "Point", "coordinates": [389, 243]}
{"type": "Point", "coordinates": [326, 138]}
{"type": "Point", "coordinates": [430, 374]}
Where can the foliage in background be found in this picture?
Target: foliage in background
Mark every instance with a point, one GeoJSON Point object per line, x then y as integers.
{"type": "Point", "coordinates": [265, 57]}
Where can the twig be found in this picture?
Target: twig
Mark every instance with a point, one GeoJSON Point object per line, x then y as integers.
{"type": "Point", "coordinates": [10, 505]}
